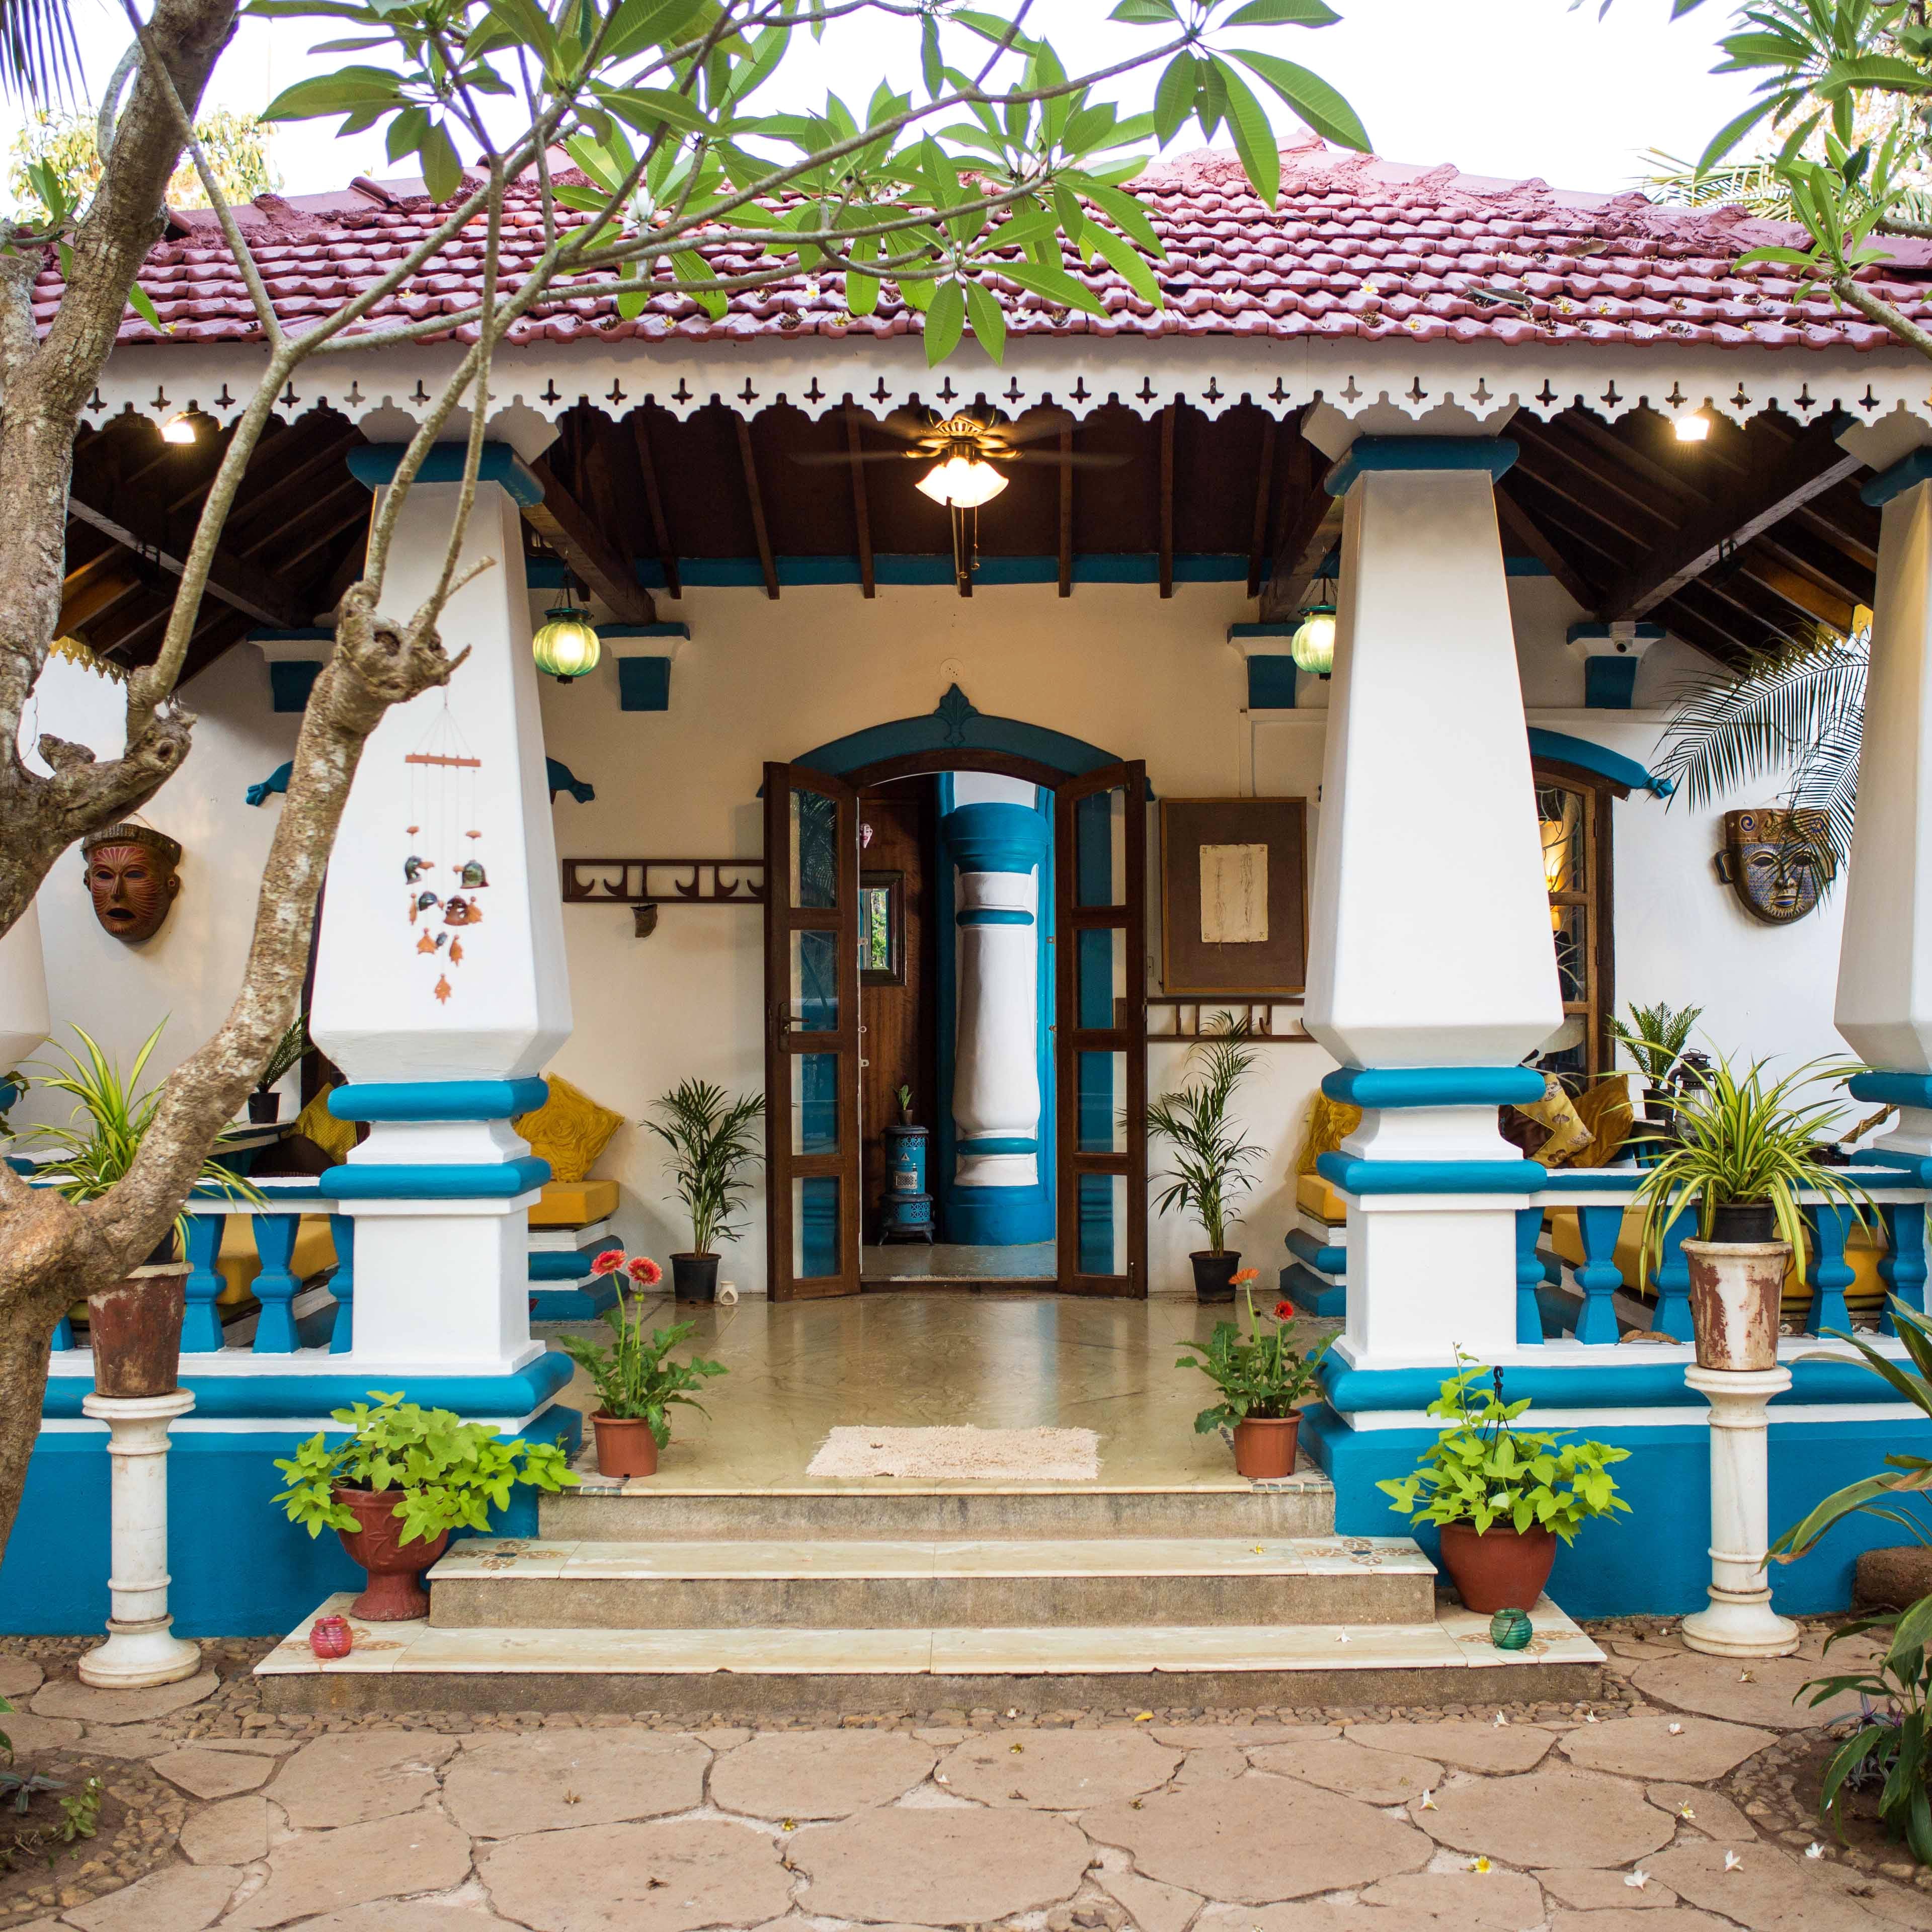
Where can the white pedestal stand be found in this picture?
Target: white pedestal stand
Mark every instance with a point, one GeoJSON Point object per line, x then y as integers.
{"type": "Point", "coordinates": [140, 1650]}
{"type": "Point", "coordinates": [1740, 1622]}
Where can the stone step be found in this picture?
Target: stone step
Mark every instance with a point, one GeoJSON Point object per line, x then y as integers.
{"type": "Point", "coordinates": [1303, 1504]}
{"type": "Point", "coordinates": [732, 1675]}
{"type": "Point", "coordinates": [827, 1584]}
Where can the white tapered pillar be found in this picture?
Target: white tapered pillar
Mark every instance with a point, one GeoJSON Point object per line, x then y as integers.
{"type": "Point", "coordinates": [141, 1648]}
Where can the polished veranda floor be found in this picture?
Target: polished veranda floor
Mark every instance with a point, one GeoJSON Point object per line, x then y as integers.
{"type": "Point", "coordinates": [798, 1370]}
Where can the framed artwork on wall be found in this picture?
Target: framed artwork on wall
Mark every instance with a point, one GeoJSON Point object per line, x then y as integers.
{"type": "Point", "coordinates": [882, 928]}
{"type": "Point", "coordinates": [1234, 895]}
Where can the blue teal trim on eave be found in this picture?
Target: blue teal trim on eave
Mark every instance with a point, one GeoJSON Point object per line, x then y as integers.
{"type": "Point", "coordinates": [277, 780]}
{"type": "Point", "coordinates": [558, 777]}
{"type": "Point", "coordinates": [1356, 1176]}
{"type": "Point", "coordinates": [1494, 454]}
{"type": "Point", "coordinates": [1883, 1089]}
{"type": "Point", "coordinates": [611, 633]}
{"type": "Point", "coordinates": [374, 465]}
{"type": "Point", "coordinates": [1434, 1086]}
{"type": "Point", "coordinates": [1913, 468]}
{"type": "Point", "coordinates": [643, 684]}
{"type": "Point", "coordinates": [1563, 749]}
{"type": "Point", "coordinates": [480, 1180]}
{"type": "Point", "coordinates": [319, 1393]}
{"type": "Point", "coordinates": [438, 1099]}
{"type": "Point", "coordinates": [995, 835]}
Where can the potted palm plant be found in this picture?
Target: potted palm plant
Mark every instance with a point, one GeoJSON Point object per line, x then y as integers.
{"type": "Point", "coordinates": [407, 1477]}
{"type": "Point", "coordinates": [264, 1106]}
{"type": "Point", "coordinates": [1211, 1156]}
{"type": "Point", "coordinates": [1655, 1038]}
{"type": "Point", "coordinates": [134, 1327]}
{"type": "Point", "coordinates": [637, 1384]}
{"type": "Point", "coordinates": [1742, 1149]}
{"type": "Point", "coordinates": [1502, 1498]}
{"type": "Point", "coordinates": [709, 1137]}
{"type": "Point", "coordinates": [1261, 1380]}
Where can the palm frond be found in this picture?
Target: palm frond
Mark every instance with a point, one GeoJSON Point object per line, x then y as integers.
{"type": "Point", "coordinates": [1755, 185]}
{"type": "Point", "coordinates": [39, 55]}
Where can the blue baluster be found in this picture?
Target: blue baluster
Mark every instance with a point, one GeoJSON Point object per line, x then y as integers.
{"type": "Point", "coordinates": [342, 1286]}
{"type": "Point", "coordinates": [1528, 1275]}
{"type": "Point", "coordinates": [201, 1326]}
{"type": "Point", "coordinates": [1672, 1283]}
{"type": "Point", "coordinates": [1599, 1277]}
{"type": "Point", "coordinates": [275, 1286]}
{"type": "Point", "coordinates": [1829, 1274]}
{"type": "Point", "coordinates": [1902, 1267]}
{"type": "Point", "coordinates": [63, 1334]}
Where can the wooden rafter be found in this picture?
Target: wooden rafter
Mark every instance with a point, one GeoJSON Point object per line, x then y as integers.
{"type": "Point", "coordinates": [1066, 543]}
{"type": "Point", "coordinates": [647, 470]}
{"type": "Point", "coordinates": [1519, 527]}
{"type": "Point", "coordinates": [1311, 526]}
{"type": "Point", "coordinates": [1263, 482]}
{"type": "Point", "coordinates": [1167, 501]}
{"type": "Point", "coordinates": [1606, 443]}
{"type": "Point", "coordinates": [861, 509]}
{"type": "Point", "coordinates": [1798, 587]}
{"type": "Point", "coordinates": [766, 562]}
{"type": "Point", "coordinates": [244, 587]}
{"type": "Point", "coordinates": [578, 537]}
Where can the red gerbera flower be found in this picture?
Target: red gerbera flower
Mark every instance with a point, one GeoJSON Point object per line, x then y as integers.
{"type": "Point", "coordinates": [608, 1262]}
{"type": "Point", "coordinates": [643, 1271]}
{"type": "Point", "coordinates": [1247, 1275]}
{"type": "Point", "coordinates": [1284, 1311]}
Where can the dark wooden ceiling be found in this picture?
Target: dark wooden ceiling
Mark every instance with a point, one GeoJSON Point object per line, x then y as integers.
{"type": "Point", "coordinates": [1738, 544]}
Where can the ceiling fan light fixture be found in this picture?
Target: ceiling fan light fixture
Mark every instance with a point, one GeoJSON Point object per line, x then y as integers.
{"type": "Point", "coordinates": [961, 483]}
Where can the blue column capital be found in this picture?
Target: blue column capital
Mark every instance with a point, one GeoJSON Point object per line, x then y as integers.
{"type": "Point", "coordinates": [997, 835]}
{"type": "Point", "coordinates": [1914, 467]}
{"type": "Point", "coordinates": [1435, 1086]}
{"type": "Point", "coordinates": [438, 1099]}
{"type": "Point", "coordinates": [1495, 455]}
{"type": "Point", "coordinates": [375, 464]}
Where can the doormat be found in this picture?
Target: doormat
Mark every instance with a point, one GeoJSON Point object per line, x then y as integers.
{"type": "Point", "coordinates": [958, 1455]}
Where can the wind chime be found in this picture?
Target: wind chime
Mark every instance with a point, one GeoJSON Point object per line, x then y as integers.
{"type": "Point", "coordinates": [444, 869]}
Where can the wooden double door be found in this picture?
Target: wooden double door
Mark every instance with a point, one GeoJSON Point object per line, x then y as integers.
{"type": "Point", "coordinates": [815, 1040]}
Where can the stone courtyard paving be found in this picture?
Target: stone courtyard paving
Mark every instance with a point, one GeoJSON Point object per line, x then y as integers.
{"type": "Point", "coordinates": [1669, 1807]}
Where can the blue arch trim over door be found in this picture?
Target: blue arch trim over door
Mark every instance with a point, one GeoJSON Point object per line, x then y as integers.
{"type": "Point", "coordinates": [955, 726]}
{"type": "Point", "coordinates": [1562, 749]}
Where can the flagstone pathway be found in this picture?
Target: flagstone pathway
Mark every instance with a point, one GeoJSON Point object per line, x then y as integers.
{"type": "Point", "coordinates": [1667, 1808]}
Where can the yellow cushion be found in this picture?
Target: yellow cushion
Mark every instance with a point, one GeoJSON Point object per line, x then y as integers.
{"type": "Point", "coordinates": [569, 1130]}
{"type": "Point", "coordinates": [574, 1203]}
{"type": "Point", "coordinates": [1604, 1107]}
{"type": "Point", "coordinates": [336, 1138]}
{"type": "Point", "coordinates": [1314, 1195]}
{"type": "Point", "coordinates": [1329, 1123]}
{"type": "Point", "coordinates": [1557, 1113]}
{"type": "Point", "coordinates": [239, 1264]}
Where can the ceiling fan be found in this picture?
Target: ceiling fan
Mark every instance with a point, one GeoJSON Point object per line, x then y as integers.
{"type": "Point", "coordinates": [963, 450]}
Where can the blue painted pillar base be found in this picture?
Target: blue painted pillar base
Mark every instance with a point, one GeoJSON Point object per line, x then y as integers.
{"type": "Point", "coordinates": [1902, 1267]}
{"type": "Point", "coordinates": [201, 1325]}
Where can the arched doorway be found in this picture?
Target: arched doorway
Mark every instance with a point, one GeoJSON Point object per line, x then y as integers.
{"type": "Point", "coordinates": [1030, 924]}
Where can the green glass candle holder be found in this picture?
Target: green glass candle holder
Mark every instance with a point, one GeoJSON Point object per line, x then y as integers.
{"type": "Point", "coordinates": [1510, 1630]}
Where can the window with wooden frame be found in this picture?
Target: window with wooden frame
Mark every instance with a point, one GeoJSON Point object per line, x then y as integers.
{"type": "Point", "coordinates": [1572, 810]}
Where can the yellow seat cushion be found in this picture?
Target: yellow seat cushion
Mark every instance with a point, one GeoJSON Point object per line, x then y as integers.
{"type": "Point", "coordinates": [1329, 1123]}
{"type": "Point", "coordinates": [1314, 1195]}
{"type": "Point", "coordinates": [239, 1264]}
{"type": "Point", "coordinates": [574, 1203]}
{"type": "Point", "coordinates": [1556, 1113]}
{"type": "Point", "coordinates": [569, 1130]}
{"type": "Point", "coordinates": [1865, 1297]}
{"type": "Point", "coordinates": [336, 1138]}
{"type": "Point", "coordinates": [1604, 1107]}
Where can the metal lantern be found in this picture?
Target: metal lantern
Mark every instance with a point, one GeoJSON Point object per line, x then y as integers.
{"type": "Point", "coordinates": [1510, 1630]}
{"type": "Point", "coordinates": [566, 646]}
{"type": "Point", "coordinates": [1312, 646]}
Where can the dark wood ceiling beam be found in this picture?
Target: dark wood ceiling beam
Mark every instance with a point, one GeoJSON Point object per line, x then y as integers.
{"type": "Point", "coordinates": [1726, 608]}
{"type": "Point", "coordinates": [1818, 520]}
{"type": "Point", "coordinates": [1811, 466]}
{"type": "Point", "coordinates": [347, 510]}
{"type": "Point", "coordinates": [576, 535]}
{"type": "Point", "coordinates": [760, 535]}
{"type": "Point", "coordinates": [1311, 526]}
{"type": "Point", "coordinates": [243, 586]}
{"type": "Point", "coordinates": [1264, 490]}
{"type": "Point", "coordinates": [255, 505]}
{"type": "Point", "coordinates": [1066, 545]}
{"type": "Point", "coordinates": [1717, 644]}
{"type": "Point", "coordinates": [1824, 563]}
{"type": "Point", "coordinates": [1519, 527]}
{"type": "Point", "coordinates": [1593, 550]}
{"type": "Point", "coordinates": [1798, 588]}
{"type": "Point", "coordinates": [1568, 470]}
{"type": "Point", "coordinates": [862, 508]}
{"type": "Point", "coordinates": [1606, 443]}
{"type": "Point", "coordinates": [95, 600]}
{"type": "Point", "coordinates": [647, 470]}
{"type": "Point", "coordinates": [1167, 501]}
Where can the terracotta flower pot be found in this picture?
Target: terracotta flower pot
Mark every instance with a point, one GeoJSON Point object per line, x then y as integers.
{"type": "Point", "coordinates": [394, 1595]}
{"type": "Point", "coordinates": [135, 1329]}
{"type": "Point", "coordinates": [1214, 1275]}
{"type": "Point", "coordinates": [1501, 1568]}
{"type": "Point", "coordinates": [1265, 1446]}
{"type": "Point", "coordinates": [1736, 1290]}
{"type": "Point", "coordinates": [626, 1446]}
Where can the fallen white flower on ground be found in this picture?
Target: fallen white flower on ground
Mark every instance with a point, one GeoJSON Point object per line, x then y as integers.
{"type": "Point", "coordinates": [1733, 1862]}
{"type": "Point", "coordinates": [1638, 1879]}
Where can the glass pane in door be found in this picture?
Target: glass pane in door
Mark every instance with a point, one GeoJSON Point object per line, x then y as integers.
{"type": "Point", "coordinates": [1099, 846]}
{"type": "Point", "coordinates": [1103, 1223]}
{"type": "Point", "coordinates": [815, 980]}
{"type": "Point", "coordinates": [815, 1103]}
{"type": "Point", "coordinates": [814, 850]}
{"type": "Point", "coordinates": [814, 1226]}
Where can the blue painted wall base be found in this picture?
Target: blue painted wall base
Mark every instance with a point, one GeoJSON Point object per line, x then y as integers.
{"type": "Point", "coordinates": [1654, 1561]}
{"type": "Point", "coordinates": [1313, 1293]}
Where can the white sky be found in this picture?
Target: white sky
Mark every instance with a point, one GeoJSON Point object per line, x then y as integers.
{"type": "Point", "coordinates": [1510, 88]}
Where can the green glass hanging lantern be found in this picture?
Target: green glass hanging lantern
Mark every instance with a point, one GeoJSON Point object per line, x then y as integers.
{"type": "Point", "coordinates": [1510, 1630]}
{"type": "Point", "coordinates": [1312, 646]}
{"type": "Point", "coordinates": [567, 645]}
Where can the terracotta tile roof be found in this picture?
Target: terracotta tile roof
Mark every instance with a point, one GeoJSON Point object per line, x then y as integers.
{"type": "Point", "coordinates": [1358, 247]}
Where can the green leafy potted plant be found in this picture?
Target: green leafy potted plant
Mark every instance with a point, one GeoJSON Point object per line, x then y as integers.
{"type": "Point", "coordinates": [1261, 1379]}
{"type": "Point", "coordinates": [406, 1477]}
{"type": "Point", "coordinates": [264, 1106]}
{"type": "Point", "coordinates": [1501, 1498]}
{"type": "Point", "coordinates": [1740, 1151]}
{"type": "Point", "coordinates": [1655, 1038]}
{"type": "Point", "coordinates": [133, 1327]}
{"type": "Point", "coordinates": [709, 1137]}
{"type": "Point", "coordinates": [1211, 1156]}
{"type": "Point", "coordinates": [636, 1382]}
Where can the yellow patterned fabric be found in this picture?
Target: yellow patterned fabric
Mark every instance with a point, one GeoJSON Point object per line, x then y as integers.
{"type": "Point", "coordinates": [336, 1138]}
{"type": "Point", "coordinates": [569, 1130]}
{"type": "Point", "coordinates": [1604, 1107]}
{"type": "Point", "coordinates": [1557, 1112]}
{"type": "Point", "coordinates": [1329, 1123]}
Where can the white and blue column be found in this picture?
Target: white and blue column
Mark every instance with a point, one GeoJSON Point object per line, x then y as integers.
{"type": "Point", "coordinates": [999, 1192]}
{"type": "Point", "coordinates": [440, 986]}
{"type": "Point", "coordinates": [1432, 973]}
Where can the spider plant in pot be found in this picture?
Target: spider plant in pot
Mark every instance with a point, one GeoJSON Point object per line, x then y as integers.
{"type": "Point", "coordinates": [1501, 1498]}
{"type": "Point", "coordinates": [1260, 1380]}
{"type": "Point", "coordinates": [264, 1105]}
{"type": "Point", "coordinates": [1742, 1149]}
{"type": "Point", "coordinates": [1211, 1157]}
{"type": "Point", "coordinates": [134, 1326]}
{"type": "Point", "coordinates": [709, 1137]}
{"type": "Point", "coordinates": [637, 1383]}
